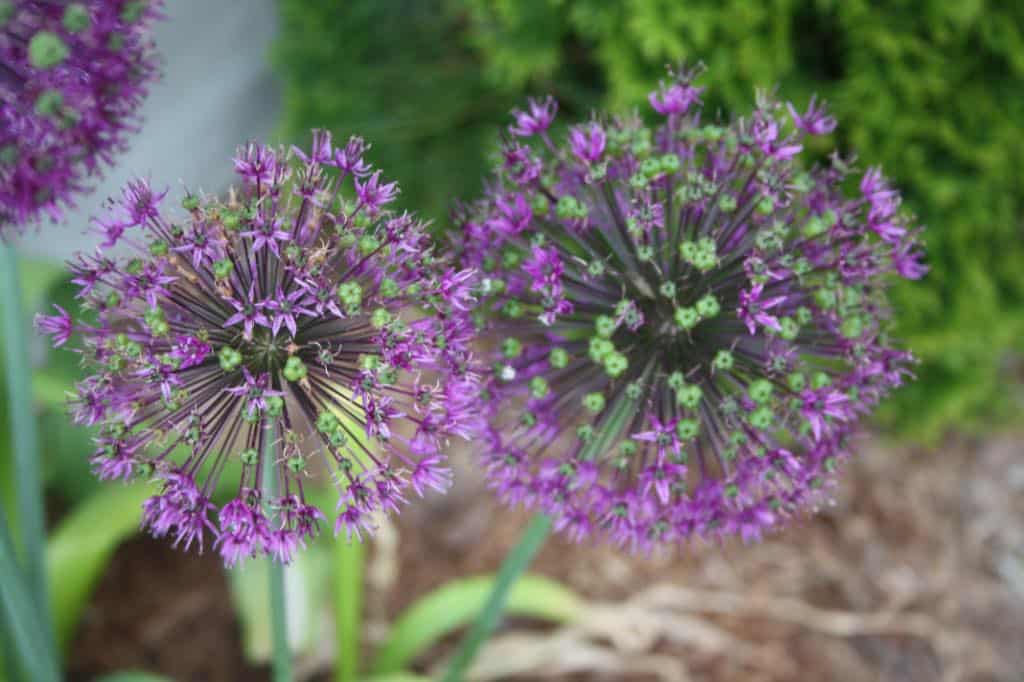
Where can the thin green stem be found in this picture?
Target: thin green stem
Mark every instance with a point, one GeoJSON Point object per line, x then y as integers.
{"type": "Point", "coordinates": [516, 562]}
{"type": "Point", "coordinates": [348, 607]}
{"type": "Point", "coordinates": [23, 624]}
{"type": "Point", "coordinates": [25, 441]}
{"type": "Point", "coordinates": [282, 660]}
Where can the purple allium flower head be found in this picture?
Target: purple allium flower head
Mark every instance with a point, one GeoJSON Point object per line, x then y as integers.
{"type": "Point", "coordinates": [314, 313]}
{"type": "Point", "coordinates": [686, 322]}
{"type": "Point", "coordinates": [72, 76]}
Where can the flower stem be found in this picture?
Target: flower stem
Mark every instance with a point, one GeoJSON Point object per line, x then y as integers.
{"type": "Point", "coordinates": [516, 562]}
{"type": "Point", "coordinates": [282, 657]}
{"type": "Point", "coordinates": [348, 605]}
{"type": "Point", "coordinates": [27, 647]}
{"type": "Point", "coordinates": [25, 443]}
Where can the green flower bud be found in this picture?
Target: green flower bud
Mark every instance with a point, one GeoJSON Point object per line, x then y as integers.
{"type": "Point", "coordinates": [688, 251]}
{"type": "Point", "coordinates": [634, 390]}
{"type": "Point", "coordinates": [76, 18]}
{"type": "Point", "coordinates": [689, 396]}
{"type": "Point", "coordinates": [687, 318]}
{"type": "Point", "coordinates": [46, 50]}
{"type": "Point", "coordinates": [49, 103]}
{"type": "Point", "coordinates": [723, 360]}
{"type": "Point", "coordinates": [295, 369]}
{"type": "Point", "coordinates": [368, 244]}
{"type": "Point", "coordinates": [669, 163]}
{"type": "Point", "coordinates": [761, 418]}
{"type": "Point", "coordinates": [569, 208]}
{"type": "Point", "coordinates": [790, 329]}
{"type": "Point", "coordinates": [511, 347]}
{"type": "Point", "coordinates": [133, 11]}
{"type": "Point", "coordinates": [615, 363]}
{"type": "Point", "coordinates": [651, 168]}
{"type": "Point", "coordinates": [539, 204]}
{"type": "Point", "coordinates": [512, 309]}
{"type": "Point", "coordinates": [594, 402]}
{"type": "Point", "coordinates": [275, 405]}
{"type": "Point", "coordinates": [600, 348]}
{"type": "Point", "coordinates": [825, 298]}
{"type": "Point", "coordinates": [230, 359]}
{"type": "Point", "coordinates": [708, 306]}
{"type": "Point", "coordinates": [8, 153]}
{"type": "Point", "coordinates": [380, 318]}
{"type": "Point", "coordinates": [687, 429]}
{"type": "Point", "coordinates": [222, 268]}
{"type": "Point", "coordinates": [605, 326]}
{"type": "Point", "coordinates": [389, 288]}
{"type": "Point", "coordinates": [760, 391]}
{"type": "Point", "coordinates": [852, 327]}
{"type": "Point", "coordinates": [814, 227]}
{"type": "Point", "coordinates": [327, 422]}
{"type": "Point", "coordinates": [351, 296]}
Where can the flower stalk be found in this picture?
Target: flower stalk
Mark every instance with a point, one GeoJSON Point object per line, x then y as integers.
{"type": "Point", "coordinates": [282, 655]}
{"type": "Point", "coordinates": [515, 564]}
{"type": "Point", "coordinates": [25, 437]}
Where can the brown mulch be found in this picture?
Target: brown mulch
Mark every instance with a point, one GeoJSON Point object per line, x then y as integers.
{"type": "Point", "coordinates": [161, 610]}
{"type": "Point", "coordinates": [915, 574]}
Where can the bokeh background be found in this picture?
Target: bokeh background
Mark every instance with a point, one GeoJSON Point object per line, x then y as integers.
{"type": "Point", "coordinates": [916, 573]}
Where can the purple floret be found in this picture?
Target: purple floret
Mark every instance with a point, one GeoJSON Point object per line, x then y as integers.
{"type": "Point", "coordinates": [340, 330]}
{"type": "Point", "coordinates": [72, 77]}
{"type": "Point", "coordinates": [686, 322]}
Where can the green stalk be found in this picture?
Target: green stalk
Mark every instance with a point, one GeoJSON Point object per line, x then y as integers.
{"type": "Point", "coordinates": [348, 606]}
{"type": "Point", "coordinates": [23, 625]}
{"type": "Point", "coordinates": [282, 660]}
{"type": "Point", "coordinates": [25, 442]}
{"type": "Point", "coordinates": [516, 562]}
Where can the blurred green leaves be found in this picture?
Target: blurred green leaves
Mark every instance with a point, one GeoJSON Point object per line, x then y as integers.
{"type": "Point", "coordinates": [456, 604]}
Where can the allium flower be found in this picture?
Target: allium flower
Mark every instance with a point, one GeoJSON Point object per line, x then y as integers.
{"type": "Point", "coordinates": [301, 309]}
{"type": "Point", "coordinates": [72, 76]}
{"type": "Point", "coordinates": [686, 322]}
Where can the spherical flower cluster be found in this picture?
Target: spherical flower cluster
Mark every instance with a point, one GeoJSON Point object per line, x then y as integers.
{"type": "Point", "coordinates": [686, 322]}
{"type": "Point", "coordinates": [301, 315]}
{"type": "Point", "coordinates": [72, 76]}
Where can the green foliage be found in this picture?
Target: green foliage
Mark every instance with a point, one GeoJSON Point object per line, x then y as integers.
{"type": "Point", "coordinates": [933, 91]}
{"type": "Point", "coordinates": [456, 604]}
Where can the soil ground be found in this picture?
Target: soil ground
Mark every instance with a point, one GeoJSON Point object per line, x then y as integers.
{"type": "Point", "coordinates": [915, 574]}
